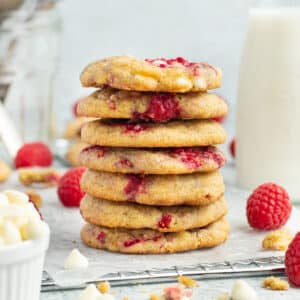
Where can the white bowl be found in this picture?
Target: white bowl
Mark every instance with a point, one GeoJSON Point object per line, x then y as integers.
{"type": "Point", "coordinates": [21, 268]}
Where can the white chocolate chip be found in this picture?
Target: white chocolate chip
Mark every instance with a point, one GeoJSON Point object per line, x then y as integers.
{"type": "Point", "coordinates": [90, 293]}
{"type": "Point", "coordinates": [200, 83]}
{"type": "Point", "coordinates": [16, 197]}
{"type": "Point", "coordinates": [76, 260]}
{"type": "Point", "coordinates": [183, 81]}
{"type": "Point", "coordinates": [3, 200]}
{"type": "Point", "coordinates": [10, 233]}
{"type": "Point", "coordinates": [243, 291]}
{"type": "Point", "coordinates": [34, 229]}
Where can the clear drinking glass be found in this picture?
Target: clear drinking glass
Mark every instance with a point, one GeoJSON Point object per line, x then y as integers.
{"type": "Point", "coordinates": [31, 61]}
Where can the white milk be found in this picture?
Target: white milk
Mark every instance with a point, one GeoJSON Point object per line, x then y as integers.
{"type": "Point", "coordinates": [268, 113]}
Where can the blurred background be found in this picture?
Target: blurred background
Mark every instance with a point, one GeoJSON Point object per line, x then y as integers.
{"type": "Point", "coordinates": [44, 45]}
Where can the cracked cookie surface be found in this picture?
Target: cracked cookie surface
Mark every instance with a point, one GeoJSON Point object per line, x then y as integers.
{"type": "Point", "coordinates": [154, 75]}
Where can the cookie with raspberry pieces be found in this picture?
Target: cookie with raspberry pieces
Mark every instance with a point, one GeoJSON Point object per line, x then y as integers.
{"type": "Point", "coordinates": [147, 241]}
{"type": "Point", "coordinates": [110, 103]}
{"type": "Point", "coordinates": [155, 75]}
{"type": "Point", "coordinates": [152, 161]}
{"type": "Point", "coordinates": [128, 215]}
{"type": "Point", "coordinates": [190, 133]}
{"type": "Point", "coordinates": [167, 190]}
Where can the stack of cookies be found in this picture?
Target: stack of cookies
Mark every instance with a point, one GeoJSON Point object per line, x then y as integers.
{"type": "Point", "coordinates": [152, 183]}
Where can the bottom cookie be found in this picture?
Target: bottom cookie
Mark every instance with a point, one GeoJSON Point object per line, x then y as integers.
{"type": "Point", "coordinates": [145, 241]}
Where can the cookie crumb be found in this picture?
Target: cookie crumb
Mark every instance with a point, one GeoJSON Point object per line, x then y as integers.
{"type": "Point", "coordinates": [5, 171]}
{"type": "Point", "coordinates": [187, 281]}
{"type": "Point", "coordinates": [104, 287]}
{"type": "Point", "coordinates": [156, 297]}
{"type": "Point", "coordinates": [45, 177]}
{"type": "Point", "coordinates": [277, 240]}
{"type": "Point", "coordinates": [224, 296]}
{"type": "Point", "coordinates": [275, 283]}
{"type": "Point", "coordinates": [35, 198]}
{"type": "Point", "coordinates": [126, 298]}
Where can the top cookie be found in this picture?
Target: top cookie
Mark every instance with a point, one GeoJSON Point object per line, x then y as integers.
{"type": "Point", "coordinates": [154, 75]}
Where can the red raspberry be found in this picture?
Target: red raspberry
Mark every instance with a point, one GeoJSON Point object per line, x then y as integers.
{"type": "Point", "coordinates": [292, 261]}
{"type": "Point", "coordinates": [68, 190]}
{"type": "Point", "coordinates": [268, 207]}
{"type": "Point", "coordinates": [33, 154]}
{"type": "Point", "coordinates": [232, 148]}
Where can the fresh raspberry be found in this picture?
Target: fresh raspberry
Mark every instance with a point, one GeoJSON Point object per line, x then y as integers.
{"type": "Point", "coordinates": [68, 190]}
{"type": "Point", "coordinates": [292, 261]}
{"type": "Point", "coordinates": [33, 154]}
{"type": "Point", "coordinates": [268, 207]}
{"type": "Point", "coordinates": [232, 147]}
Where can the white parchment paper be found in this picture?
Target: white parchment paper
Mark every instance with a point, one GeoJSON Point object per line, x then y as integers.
{"type": "Point", "coordinates": [65, 224]}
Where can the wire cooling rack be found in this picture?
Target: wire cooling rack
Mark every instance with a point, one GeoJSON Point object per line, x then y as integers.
{"type": "Point", "coordinates": [239, 268]}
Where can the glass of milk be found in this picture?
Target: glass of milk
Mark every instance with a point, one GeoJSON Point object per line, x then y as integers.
{"type": "Point", "coordinates": [268, 106]}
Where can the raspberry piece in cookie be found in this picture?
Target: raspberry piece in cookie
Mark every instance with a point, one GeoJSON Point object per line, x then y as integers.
{"type": "Point", "coordinates": [134, 186]}
{"type": "Point", "coordinates": [162, 107]}
{"type": "Point", "coordinates": [159, 75]}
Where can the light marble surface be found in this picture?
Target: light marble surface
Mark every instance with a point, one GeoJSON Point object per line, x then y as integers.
{"type": "Point", "coordinates": [208, 290]}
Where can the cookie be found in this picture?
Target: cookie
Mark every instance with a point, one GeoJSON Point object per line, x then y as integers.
{"type": "Point", "coordinates": [154, 75]}
{"type": "Point", "coordinates": [164, 190]}
{"type": "Point", "coordinates": [172, 134]}
{"type": "Point", "coordinates": [135, 216]}
{"type": "Point", "coordinates": [152, 161]}
{"type": "Point", "coordinates": [72, 154]}
{"type": "Point", "coordinates": [73, 128]}
{"type": "Point", "coordinates": [147, 241]}
{"type": "Point", "coordinates": [109, 103]}
{"type": "Point", "coordinates": [5, 171]}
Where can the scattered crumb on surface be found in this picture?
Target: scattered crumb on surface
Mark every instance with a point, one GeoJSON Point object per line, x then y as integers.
{"type": "Point", "coordinates": [187, 281]}
{"type": "Point", "coordinates": [126, 298]}
{"type": "Point", "coordinates": [277, 240]}
{"type": "Point", "coordinates": [46, 177]}
{"type": "Point", "coordinates": [275, 283]}
{"type": "Point", "coordinates": [104, 287]}
{"type": "Point", "coordinates": [35, 198]}
{"type": "Point", "coordinates": [156, 297]}
{"type": "Point", "coordinates": [224, 296]}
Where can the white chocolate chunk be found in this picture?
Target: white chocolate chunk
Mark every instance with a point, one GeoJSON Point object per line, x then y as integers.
{"type": "Point", "coordinates": [243, 291]}
{"type": "Point", "coordinates": [10, 233]}
{"type": "Point", "coordinates": [89, 293]}
{"type": "Point", "coordinates": [76, 260]}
